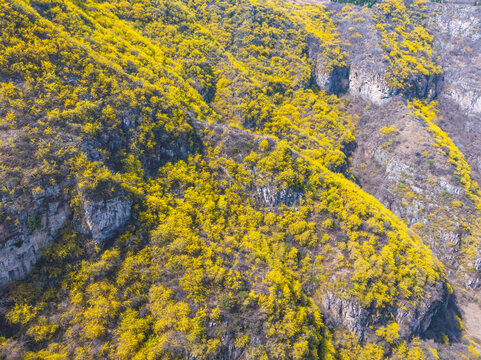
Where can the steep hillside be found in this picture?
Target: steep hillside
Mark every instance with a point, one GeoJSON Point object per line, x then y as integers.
{"type": "Point", "coordinates": [419, 158]}
{"type": "Point", "coordinates": [234, 180]}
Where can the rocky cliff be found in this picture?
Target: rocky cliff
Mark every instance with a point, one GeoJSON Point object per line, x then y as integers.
{"type": "Point", "coordinates": [27, 229]}
{"type": "Point", "coordinates": [398, 158]}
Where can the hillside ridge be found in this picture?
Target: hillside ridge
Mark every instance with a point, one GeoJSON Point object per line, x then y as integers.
{"type": "Point", "coordinates": [239, 180]}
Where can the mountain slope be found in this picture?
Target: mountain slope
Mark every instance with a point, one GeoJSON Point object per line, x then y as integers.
{"type": "Point", "coordinates": [192, 194]}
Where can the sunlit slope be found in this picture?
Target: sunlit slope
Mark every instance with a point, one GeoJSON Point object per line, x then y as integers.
{"type": "Point", "coordinates": [246, 230]}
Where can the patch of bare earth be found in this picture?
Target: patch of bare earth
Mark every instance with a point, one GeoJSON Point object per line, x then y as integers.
{"type": "Point", "coordinates": [471, 313]}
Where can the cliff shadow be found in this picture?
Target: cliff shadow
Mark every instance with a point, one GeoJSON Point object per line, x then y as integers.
{"type": "Point", "coordinates": [446, 322]}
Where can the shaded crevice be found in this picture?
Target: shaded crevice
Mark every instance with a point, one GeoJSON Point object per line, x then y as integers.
{"type": "Point", "coordinates": [446, 322]}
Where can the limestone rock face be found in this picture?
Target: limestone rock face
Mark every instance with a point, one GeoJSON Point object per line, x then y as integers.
{"type": "Point", "coordinates": [350, 314]}
{"type": "Point", "coordinates": [272, 196]}
{"type": "Point", "coordinates": [26, 229]}
{"type": "Point", "coordinates": [21, 241]}
{"type": "Point", "coordinates": [457, 39]}
{"type": "Point", "coordinates": [105, 216]}
{"type": "Point", "coordinates": [367, 81]}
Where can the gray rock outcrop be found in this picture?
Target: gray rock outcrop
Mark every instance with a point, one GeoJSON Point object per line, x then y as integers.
{"type": "Point", "coordinates": [21, 241]}
{"type": "Point", "coordinates": [105, 216]}
{"type": "Point", "coordinates": [353, 316]}
{"type": "Point", "coordinates": [457, 40]}
{"type": "Point", "coordinates": [25, 232]}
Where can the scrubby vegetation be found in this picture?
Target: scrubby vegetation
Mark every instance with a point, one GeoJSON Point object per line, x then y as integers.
{"type": "Point", "coordinates": [407, 43]}
{"type": "Point", "coordinates": [232, 247]}
{"type": "Point", "coordinates": [468, 248]}
{"type": "Point", "coordinates": [368, 3]}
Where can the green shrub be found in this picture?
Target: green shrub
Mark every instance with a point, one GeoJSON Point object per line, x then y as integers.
{"type": "Point", "coordinates": [34, 222]}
